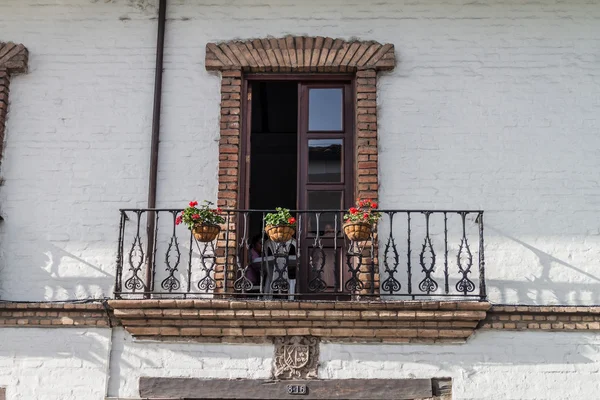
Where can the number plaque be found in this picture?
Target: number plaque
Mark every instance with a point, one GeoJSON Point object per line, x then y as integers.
{"type": "Point", "coordinates": [297, 389]}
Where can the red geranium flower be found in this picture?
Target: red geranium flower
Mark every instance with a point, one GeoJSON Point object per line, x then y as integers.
{"type": "Point", "coordinates": [374, 205]}
{"type": "Point", "coordinates": [219, 210]}
{"type": "Point", "coordinates": [365, 215]}
{"type": "Point", "coordinates": [193, 203]}
{"type": "Point", "coordinates": [195, 216]}
{"type": "Point", "coordinates": [291, 220]}
{"type": "Point", "coordinates": [178, 220]}
{"type": "Point", "coordinates": [353, 210]}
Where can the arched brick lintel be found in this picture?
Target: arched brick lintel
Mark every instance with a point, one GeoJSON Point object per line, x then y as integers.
{"type": "Point", "coordinates": [300, 54]}
{"type": "Point", "coordinates": [13, 60]}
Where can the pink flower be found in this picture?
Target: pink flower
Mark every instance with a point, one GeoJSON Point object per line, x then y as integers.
{"type": "Point", "coordinates": [195, 216]}
{"type": "Point", "coordinates": [178, 220]}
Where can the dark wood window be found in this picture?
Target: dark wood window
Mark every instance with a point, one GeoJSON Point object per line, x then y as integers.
{"type": "Point", "coordinates": [298, 152]}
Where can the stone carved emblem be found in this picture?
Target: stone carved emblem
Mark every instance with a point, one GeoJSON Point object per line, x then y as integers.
{"type": "Point", "coordinates": [296, 357]}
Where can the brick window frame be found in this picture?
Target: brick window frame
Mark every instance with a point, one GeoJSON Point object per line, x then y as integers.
{"type": "Point", "coordinates": [295, 54]}
{"type": "Point", "coordinates": [13, 60]}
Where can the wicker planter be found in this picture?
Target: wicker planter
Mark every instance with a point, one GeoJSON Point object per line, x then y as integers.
{"type": "Point", "coordinates": [280, 233]}
{"type": "Point", "coordinates": [206, 233]}
{"type": "Point", "coordinates": [358, 231]}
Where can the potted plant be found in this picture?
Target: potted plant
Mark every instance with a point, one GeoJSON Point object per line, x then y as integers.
{"type": "Point", "coordinates": [203, 222]}
{"type": "Point", "coordinates": [359, 221]}
{"type": "Point", "coordinates": [280, 225]}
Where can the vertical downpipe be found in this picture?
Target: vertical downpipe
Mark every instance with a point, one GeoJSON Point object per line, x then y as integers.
{"type": "Point", "coordinates": [158, 73]}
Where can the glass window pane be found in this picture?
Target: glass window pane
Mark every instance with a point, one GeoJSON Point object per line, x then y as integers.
{"type": "Point", "coordinates": [325, 160]}
{"type": "Point", "coordinates": [325, 109]}
{"type": "Point", "coordinates": [325, 224]}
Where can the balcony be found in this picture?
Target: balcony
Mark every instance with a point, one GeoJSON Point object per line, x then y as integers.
{"type": "Point", "coordinates": [415, 254]}
{"type": "Point", "coordinates": [420, 275]}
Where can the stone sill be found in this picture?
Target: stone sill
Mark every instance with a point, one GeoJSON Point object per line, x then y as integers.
{"type": "Point", "coordinates": [258, 321]}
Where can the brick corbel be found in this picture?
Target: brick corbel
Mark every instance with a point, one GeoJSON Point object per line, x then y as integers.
{"type": "Point", "coordinates": [13, 60]}
{"type": "Point", "coordinates": [260, 321]}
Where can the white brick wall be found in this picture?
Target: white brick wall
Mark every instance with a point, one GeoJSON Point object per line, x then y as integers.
{"type": "Point", "coordinates": [492, 106]}
{"type": "Point", "coordinates": [54, 364]}
{"type": "Point", "coordinates": [64, 364]}
{"type": "Point", "coordinates": [492, 365]}
{"type": "Point", "coordinates": [132, 359]}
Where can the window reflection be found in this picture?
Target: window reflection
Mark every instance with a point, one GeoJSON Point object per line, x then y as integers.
{"type": "Point", "coordinates": [325, 160]}
{"type": "Point", "coordinates": [325, 109]}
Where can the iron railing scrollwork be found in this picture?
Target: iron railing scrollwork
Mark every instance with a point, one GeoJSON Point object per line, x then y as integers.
{"type": "Point", "coordinates": [319, 262]}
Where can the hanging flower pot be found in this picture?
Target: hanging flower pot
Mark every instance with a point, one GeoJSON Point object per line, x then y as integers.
{"type": "Point", "coordinates": [358, 231]}
{"type": "Point", "coordinates": [359, 221]}
{"type": "Point", "coordinates": [206, 232]}
{"type": "Point", "coordinates": [280, 225]}
{"type": "Point", "coordinates": [203, 222]}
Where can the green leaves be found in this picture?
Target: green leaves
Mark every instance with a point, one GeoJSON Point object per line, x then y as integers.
{"type": "Point", "coordinates": [281, 217]}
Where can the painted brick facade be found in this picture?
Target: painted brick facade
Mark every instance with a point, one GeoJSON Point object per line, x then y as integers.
{"type": "Point", "coordinates": [491, 105]}
{"type": "Point", "coordinates": [13, 60]}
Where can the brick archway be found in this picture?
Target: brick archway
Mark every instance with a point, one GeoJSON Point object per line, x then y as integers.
{"type": "Point", "coordinates": [295, 54]}
{"type": "Point", "coordinates": [13, 60]}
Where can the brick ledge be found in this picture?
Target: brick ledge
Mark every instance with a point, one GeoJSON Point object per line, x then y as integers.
{"type": "Point", "coordinates": [259, 321]}
{"type": "Point", "coordinates": [53, 315]}
{"type": "Point", "coordinates": [545, 318]}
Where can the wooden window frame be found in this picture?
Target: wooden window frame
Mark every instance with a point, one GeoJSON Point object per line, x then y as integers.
{"type": "Point", "coordinates": [328, 80]}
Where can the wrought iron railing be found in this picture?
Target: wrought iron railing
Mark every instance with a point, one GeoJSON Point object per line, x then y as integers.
{"type": "Point", "coordinates": [412, 254]}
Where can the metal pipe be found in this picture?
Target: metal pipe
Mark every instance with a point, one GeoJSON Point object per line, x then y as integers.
{"type": "Point", "coordinates": [152, 182]}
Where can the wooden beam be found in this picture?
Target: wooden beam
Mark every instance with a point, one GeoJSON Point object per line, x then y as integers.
{"type": "Point", "coordinates": [348, 389]}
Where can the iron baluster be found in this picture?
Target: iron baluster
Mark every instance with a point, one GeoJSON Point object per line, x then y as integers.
{"type": "Point", "coordinates": [207, 282]}
{"type": "Point", "coordinates": [298, 246]}
{"type": "Point", "coordinates": [482, 287]}
{"type": "Point", "coordinates": [428, 284]}
{"type": "Point", "coordinates": [171, 283]}
{"type": "Point", "coordinates": [464, 285]}
{"type": "Point", "coordinates": [446, 274]}
{"type": "Point", "coordinates": [152, 270]}
{"type": "Point", "coordinates": [242, 283]}
{"type": "Point", "coordinates": [391, 284]}
{"type": "Point", "coordinates": [408, 256]}
{"type": "Point", "coordinates": [280, 265]}
{"type": "Point", "coordinates": [119, 274]}
{"type": "Point", "coordinates": [135, 283]}
{"type": "Point", "coordinates": [316, 283]}
{"type": "Point", "coordinates": [355, 253]}
{"type": "Point", "coordinates": [189, 271]}
{"type": "Point", "coordinates": [263, 255]}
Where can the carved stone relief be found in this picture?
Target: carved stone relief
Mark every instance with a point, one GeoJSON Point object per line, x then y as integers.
{"type": "Point", "coordinates": [296, 357]}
